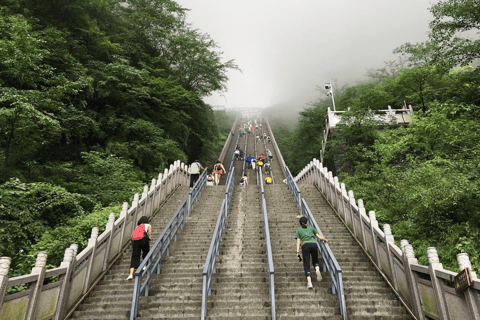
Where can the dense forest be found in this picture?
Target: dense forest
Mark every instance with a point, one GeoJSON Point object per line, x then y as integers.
{"type": "Point", "coordinates": [96, 98]}
{"type": "Point", "coordinates": [423, 179]}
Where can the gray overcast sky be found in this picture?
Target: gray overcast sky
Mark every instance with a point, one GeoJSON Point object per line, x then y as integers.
{"type": "Point", "coordinates": [287, 48]}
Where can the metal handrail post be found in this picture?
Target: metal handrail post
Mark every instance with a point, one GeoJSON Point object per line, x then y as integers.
{"type": "Point", "coordinates": [268, 249]}
{"type": "Point", "coordinates": [209, 268]}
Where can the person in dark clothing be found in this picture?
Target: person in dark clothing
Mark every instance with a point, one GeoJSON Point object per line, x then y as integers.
{"type": "Point", "coordinates": [305, 237]}
{"type": "Point", "coordinates": [141, 246]}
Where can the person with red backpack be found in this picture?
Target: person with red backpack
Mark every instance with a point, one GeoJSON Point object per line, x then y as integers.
{"type": "Point", "coordinates": [140, 243]}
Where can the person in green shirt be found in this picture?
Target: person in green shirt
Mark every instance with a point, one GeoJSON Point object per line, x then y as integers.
{"type": "Point", "coordinates": [305, 237]}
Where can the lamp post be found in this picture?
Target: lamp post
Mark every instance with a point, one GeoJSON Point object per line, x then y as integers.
{"type": "Point", "coordinates": [328, 86]}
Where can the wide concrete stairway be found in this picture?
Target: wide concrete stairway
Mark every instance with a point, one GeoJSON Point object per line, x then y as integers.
{"type": "Point", "coordinates": [240, 285]}
{"type": "Point", "coordinates": [293, 299]}
{"type": "Point", "coordinates": [177, 291]}
{"type": "Point", "coordinates": [112, 296]}
{"type": "Point", "coordinates": [367, 294]}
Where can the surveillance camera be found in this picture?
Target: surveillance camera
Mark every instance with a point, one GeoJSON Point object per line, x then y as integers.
{"type": "Point", "coordinates": [327, 86]}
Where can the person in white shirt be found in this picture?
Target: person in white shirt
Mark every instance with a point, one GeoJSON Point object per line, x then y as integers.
{"type": "Point", "coordinates": [195, 170]}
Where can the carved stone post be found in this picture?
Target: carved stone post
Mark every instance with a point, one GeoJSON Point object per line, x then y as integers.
{"type": "Point", "coordinates": [361, 214]}
{"type": "Point", "coordinates": [135, 214]}
{"type": "Point", "coordinates": [165, 186]}
{"type": "Point", "coordinates": [159, 192]}
{"type": "Point", "coordinates": [108, 248]}
{"type": "Point", "coordinates": [170, 179]}
{"type": "Point", "coordinates": [471, 296]}
{"type": "Point", "coordinates": [373, 225]}
{"type": "Point", "coordinates": [92, 243]}
{"type": "Point", "coordinates": [389, 241]}
{"type": "Point", "coordinates": [434, 265]}
{"type": "Point", "coordinates": [153, 201]}
{"type": "Point", "coordinates": [123, 215]}
{"type": "Point", "coordinates": [39, 270]}
{"type": "Point", "coordinates": [337, 198]}
{"type": "Point", "coordinates": [350, 211]}
{"type": "Point", "coordinates": [63, 294]}
{"type": "Point", "coordinates": [330, 186]}
{"type": "Point", "coordinates": [408, 260]}
{"type": "Point", "coordinates": [343, 208]}
{"type": "Point", "coordinates": [145, 204]}
{"type": "Point", "coordinates": [4, 268]}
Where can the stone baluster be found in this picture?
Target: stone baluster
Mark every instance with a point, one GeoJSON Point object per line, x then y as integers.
{"type": "Point", "coordinates": [160, 190]}
{"type": "Point", "coordinates": [170, 179]}
{"type": "Point", "coordinates": [92, 243]}
{"type": "Point", "coordinates": [408, 260]}
{"type": "Point", "coordinates": [373, 226]}
{"type": "Point", "coordinates": [145, 204]}
{"type": "Point", "coordinates": [136, 197]}
{"type": "Point", "coordinates": [343, 207]}
{"type": "Point", "coordinates": [182, 175]}
{"type": "Point", "coordinates": [389, 241]}
{"type": "Point", "coordinates": [336, 186]}
{"type": "Point", "coordinates": [361, 215]}
{"type": "Point", "coordinates": [434, 265]}
{"type": "Point", "coordinates": [109, 228]}
{"type": "Point", "coordinates": [135, 213]}
{"type": "Point", "coordinates": [153, 197]}
{"type": "Point", "coordinates": [349, 213]}
{"type": "Point", "coordinates": [68, 263]}
{"type": "Point", "coordinates": [165, 186]}
{"type": "Point", "coordinates": [175, 174]}
{"type": "Point", "coordinates": [330, 186]}
{"type": "Point", "coordinates": [34, 298]}
{"type": "Point", "coordinates": [471, 296]}
{"type": "Point", "coordinates": [123, 215]}
{"type": "Point", "coordinates": [74, 247]}
{"type": "Point", "coordinates": [4, 268]}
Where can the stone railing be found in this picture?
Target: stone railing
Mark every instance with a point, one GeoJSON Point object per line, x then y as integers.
{"type": "Point", "coordinates": [427, 291]}
{"type": "Point", "coordinates": [78, 273]}
{"type": "Point", "coordinates": [399, 116]}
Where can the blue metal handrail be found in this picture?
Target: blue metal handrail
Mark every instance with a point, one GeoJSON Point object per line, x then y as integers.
{"type": "Point", "coordinates": [329, 262]}
{"type": "Point", "coordinates": [294, 189]}
{"type": "Point", "coordinates": [268, 245]}
{"type": "Point", "coordinates": [196, 190]}
{"type": "Point", "coordinates": [209, 268]}
{"type": "Point", "coordinates": [154, 257]}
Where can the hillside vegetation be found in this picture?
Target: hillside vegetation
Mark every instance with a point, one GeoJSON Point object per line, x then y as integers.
{"type": "Point", "coordinates": [96, 98]}
{"type": "Point", "coordinates": [423, 179]}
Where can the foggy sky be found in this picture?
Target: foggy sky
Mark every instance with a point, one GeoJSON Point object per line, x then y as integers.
{"type": "Point", "coordinates": [287, 48]}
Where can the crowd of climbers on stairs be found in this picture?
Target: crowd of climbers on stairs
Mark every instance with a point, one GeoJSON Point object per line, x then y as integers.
{"type": "Point", "coordinates": [169, 281]}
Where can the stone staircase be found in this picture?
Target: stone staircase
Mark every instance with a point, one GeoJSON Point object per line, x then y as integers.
{"type": "Point", "coordinates": [367, 294]}
{"type": "Point", "coordinates": [240, 285]}
{"type": "Point", "coordinates": [177, 290]}
{"type": "Point", "coordinates": [293, 299]}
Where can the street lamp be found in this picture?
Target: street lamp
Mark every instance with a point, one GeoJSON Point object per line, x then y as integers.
{"type": "Point", "coordinates": [328, 86]}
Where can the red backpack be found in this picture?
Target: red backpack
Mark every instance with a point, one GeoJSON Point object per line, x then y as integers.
{"type": "Point", "coordinates": [139, 233]}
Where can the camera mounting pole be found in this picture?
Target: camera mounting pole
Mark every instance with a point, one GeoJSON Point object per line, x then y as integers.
{"type": "Point", "coordinates": [328, 85]}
